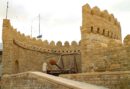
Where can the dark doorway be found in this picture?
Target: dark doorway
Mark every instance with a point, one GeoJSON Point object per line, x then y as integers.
{"type": "Point", "coordinates": [16, 66]}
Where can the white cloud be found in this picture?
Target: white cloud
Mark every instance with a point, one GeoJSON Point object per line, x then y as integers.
{"type": "Point", "coordinates": [122, 6]}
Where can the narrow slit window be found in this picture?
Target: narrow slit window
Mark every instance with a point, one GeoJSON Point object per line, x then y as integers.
{"type": "Point", "coordinates": [98, 30]}
{"type": "Point", "coordinates": [103, 31]}
{"type": "Point", "coordinates": [91, 29]}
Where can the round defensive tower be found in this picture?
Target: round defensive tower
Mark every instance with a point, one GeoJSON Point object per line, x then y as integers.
{"type": "Point", "coordinates": [98, 29]}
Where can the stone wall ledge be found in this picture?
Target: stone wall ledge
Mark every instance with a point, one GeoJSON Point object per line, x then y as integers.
{"type": "Point", "coordinates": [100, 73]}
{"type": "Point", "coordinates": [112, 80]}
{"type": "Point", "coordinates": [69, 84]}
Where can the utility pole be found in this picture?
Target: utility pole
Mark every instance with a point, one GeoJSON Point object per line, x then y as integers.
{"type": "Point", "coordinates": [39, 24]}
{"type": "Point", "coordinates": [7, 10]}
{"type": "Point", "coordinates": [31, 30]}
{"type": "Point", "coordinates": [39, 36]}
{"type": "Point", "coordinates": [31, 27]}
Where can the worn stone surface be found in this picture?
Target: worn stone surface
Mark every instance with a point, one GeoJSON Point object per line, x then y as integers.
{"type": "Point", "coordinates": [112, 80]}
{"type": "Point", "coordinates": [22, 53]}
{"type": "Point", "coordinates": [100, 32]}
{"type": "Point", "coordinates": [37, 80]}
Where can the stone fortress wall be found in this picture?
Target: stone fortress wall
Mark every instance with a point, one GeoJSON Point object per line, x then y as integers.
{"type": "Point", "coordinates": [26, 53]}
{"type": "Point", "coordinates": [101, 42]}
{"type": "Point", "coordinates": [99, 52]}
{"type": "Point", "coordinates": [100, 34]}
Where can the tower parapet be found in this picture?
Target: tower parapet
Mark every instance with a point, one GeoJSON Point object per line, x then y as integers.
{"type": "Point", "coordinates": [99, 22]}
{"type": "Point", "coordinates": [99, 32]}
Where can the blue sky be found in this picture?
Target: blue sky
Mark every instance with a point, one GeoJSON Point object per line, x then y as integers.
{"type": "Point", "coordinates": [60, 19]}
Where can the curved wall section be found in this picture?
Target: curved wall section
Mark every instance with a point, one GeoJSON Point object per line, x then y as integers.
{"type": "Point", "coordinates": [22, 53]}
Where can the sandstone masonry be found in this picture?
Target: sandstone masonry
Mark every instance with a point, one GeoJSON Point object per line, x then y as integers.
{"type": "Point", "coordinates": [99, 51]}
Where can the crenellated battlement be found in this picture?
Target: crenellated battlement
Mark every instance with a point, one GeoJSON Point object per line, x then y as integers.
{"type": "Point", "coordinates": [39, 42]}
{"type": "Point", "coordinates": [32, 43]}
{"type": "Point", "coordinates": [86, 9]}
{"type": "Point", "coordinates": [100, 22]}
